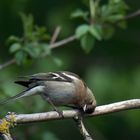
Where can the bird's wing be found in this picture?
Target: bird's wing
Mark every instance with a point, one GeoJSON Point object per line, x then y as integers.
{"type": "Point", "coordinates": [32, 80]}
{"type": "Point", "coordinates": [40, 77]}
{"type": "Point", "coordinates": [62, 76]}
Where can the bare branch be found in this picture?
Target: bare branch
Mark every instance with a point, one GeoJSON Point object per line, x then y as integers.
{"type": "Point", "coordinates": [100, 110]}
{"type": "Point", "coordinates": [82, 128]}
{"type": "Point", "coordinates": [53, 115]}
{"type": "Point", "coordinates": [55, 35]}
{"type": "Point", "coordinates": [63, 42]}
{"type": "Point", "coordinates": [132, 15]}
{"type": "Point", "coordinates": [8, 63]}
{"type": "Point", "coordinates": [52, 46]}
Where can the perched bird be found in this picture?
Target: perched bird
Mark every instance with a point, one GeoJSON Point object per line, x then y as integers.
{"type": "Point", "coordinates": [60, 88]}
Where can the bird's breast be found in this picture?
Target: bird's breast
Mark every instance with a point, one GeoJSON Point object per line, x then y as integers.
{"type": "Point", "coordinates": [61, 93]}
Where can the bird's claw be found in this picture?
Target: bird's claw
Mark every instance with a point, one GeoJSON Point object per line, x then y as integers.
{"type": "Point", "coordinates": [59, 112]}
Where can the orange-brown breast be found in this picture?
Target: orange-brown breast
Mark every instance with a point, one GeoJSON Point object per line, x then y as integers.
{"type": "Point", "coordinates": [80, 93]}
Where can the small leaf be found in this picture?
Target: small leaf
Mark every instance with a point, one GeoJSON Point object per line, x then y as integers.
{"type": "Point", "coordinates": [115, 18]}
{"type": "Point", "coordinates": [12, 39]}
{"type": "Point", "coordinates": [87, 42]}
{"type": "Point", "coordinates": [15, 47]}
{"type": "Point", "coordinates": [33, 52]}
{"type": "Point", "coordinates": [92, 9]}
{"type": "Point", "coordinates": [40, 33]}
{"type": "Point", "coordinates": [28, 25]}
{"type": "Point", "coordinates": [81, 30]}
{"type": "Point", "coordinates": [46, 50]}
{"type": "Point", "coordinates": [20, 57]}
{"type": "Point", "coordinates": [80, 14]}
{"type": "Point", "coordinates": [96, 31]}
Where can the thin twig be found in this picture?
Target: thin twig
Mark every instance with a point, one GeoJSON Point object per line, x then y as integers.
{"type": "Point", "coordinates": [52, 46]}
{"type": "Point", "coordinates": [100, 110]}
{"type": "Point", "coordinates": [63, 42]}
{"type": "Point", "coordinates": [82, 129]}
{"type": "Point", "coordinates": [132, 15]}
{"type": "Point", "coordinates": [55, 35]}
{"type": "Point", "coordinates": [8, 63]}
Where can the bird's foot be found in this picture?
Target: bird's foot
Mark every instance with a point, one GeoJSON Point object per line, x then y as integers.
{"type": "Point", "coordinates": [59, 112]}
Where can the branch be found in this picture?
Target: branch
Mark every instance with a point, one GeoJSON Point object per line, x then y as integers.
{"type": "Point", "coordinates": [132, 15]}
{"type": "Point", "coordinates": [6, 64]}
{"type": "Point", "coordinates": [82, 128]}
{"type": "Point", "coordinates": [52, 46]}
{"type": "Point", "coordinates": [100, 110]}
{"type": "Point", "coordinates": [55, 35]}
{"type": "Point", "coordinates": [63, 42]}
{"type": "Point", "coordinates": [12, 118]}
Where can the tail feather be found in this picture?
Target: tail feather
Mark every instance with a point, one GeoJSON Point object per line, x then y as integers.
{"type": "Point", "coordinates": [13, 98]}
{"type": "Point", "coordinates": [23, 83]}
{"type": "Point", "coordinates": [28, 92]}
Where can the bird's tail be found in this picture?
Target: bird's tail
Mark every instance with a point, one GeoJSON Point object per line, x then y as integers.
{"type": "Point", "coordinates": [13, 98]}
{"type": "Point", "coordinates": [28, 92]}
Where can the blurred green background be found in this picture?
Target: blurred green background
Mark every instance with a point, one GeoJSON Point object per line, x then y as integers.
{"type": "Point", "coordinates": [111, 70]}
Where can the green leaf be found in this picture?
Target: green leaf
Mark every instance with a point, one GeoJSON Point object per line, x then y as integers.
{"type": "Point", "coordinates": [115, 18]}
{"type": "Point", "coordinates": [96, 31]}
{"type": "Point", "coordinates": [32, 51]}
{"type": "Point", "coordinates": [40, 33]}
{"type": "Point", "coordinates": [20, 57]}
{"type": "Point", "coordinates": [87, 42]}
{"type": "Point", "coordinates": [81, 30]}
{"type": "Point", "coordinates": [46, 50]}
{"type": "Point", "coordinates": [28, 25]}
{"type": "Point", "coordinates": [35, 50]}
{"type": "Point", "coordinates": [15, 47]}
{"type": "Point", "coordinates": [92, 8]}
{"type": "Point", "coordinates": [80, 14]}
{"type": "Point", "coordinates": [12, 39]}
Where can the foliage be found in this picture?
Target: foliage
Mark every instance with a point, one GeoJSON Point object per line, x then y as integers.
{"type": "Point", "coordinates": [101, 21]}
{"type": "Point", "coordinates": [33, 44]}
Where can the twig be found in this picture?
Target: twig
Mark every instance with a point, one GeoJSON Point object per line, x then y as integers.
{"type": "Point", "coordinates": [100, 110]}
{"type": "Point", "coordinates": [53, 115]}
{"type": "Point", "coordinates": [8, 63]}
{"type": "Point", "coordinates": [63, 42]}
{"type": "Point", "coordinates": [82, 129]}
{"type": "Point", "coordinates": [52, 46]}
{"type": "Point", "coordinates": [132, 15]}
{"type": "Point", "coordinates": [55, 35]}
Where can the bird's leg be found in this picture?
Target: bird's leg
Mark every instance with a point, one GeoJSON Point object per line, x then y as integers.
{"type": "Point", "coordinates": [54, 107]}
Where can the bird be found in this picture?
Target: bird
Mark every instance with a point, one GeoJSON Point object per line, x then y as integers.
{"type": "Point", "coordinates": [60, 88]}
